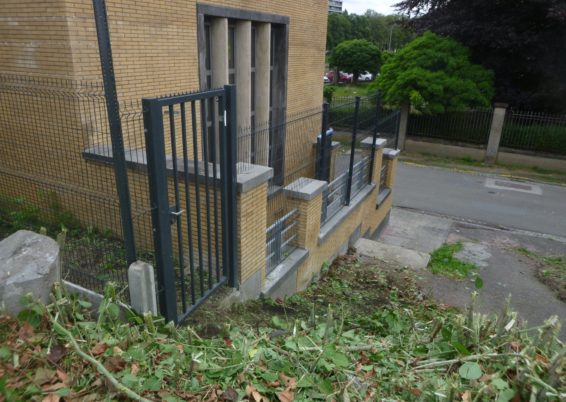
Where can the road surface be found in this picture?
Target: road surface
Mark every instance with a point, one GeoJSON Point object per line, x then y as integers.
{"type": "Point", "coordinates": [488, 199]}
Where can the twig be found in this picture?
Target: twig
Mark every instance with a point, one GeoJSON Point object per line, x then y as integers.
{"type": "Point", "coordinates": [101, 369]}
{"type": "Point", "coordinates": [467, 358]}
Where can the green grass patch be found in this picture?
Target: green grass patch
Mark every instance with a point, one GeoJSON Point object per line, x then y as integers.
{"type": "Point", "coordinates": [551, 270]}
{"type": "Point", "coordinates": [342, 90]}
{"type": "Point", "coordinates": [442, 262]}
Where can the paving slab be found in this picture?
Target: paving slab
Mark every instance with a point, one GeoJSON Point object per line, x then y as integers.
{"type": "Point", "coordinates": [415, 231]}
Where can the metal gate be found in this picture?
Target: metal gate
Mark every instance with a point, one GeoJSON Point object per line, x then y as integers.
{"type": "Point", "coordinates": [191, 160]}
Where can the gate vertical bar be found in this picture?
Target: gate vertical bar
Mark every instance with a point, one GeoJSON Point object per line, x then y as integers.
{"type": "Point", "coordinates": [323, 151]}
{"type": "Point", "coordinates": [374, 140]}
{"type": "Point", "coordinates": [352, 151]}
{"type": "Point", "coordinates": [113, 110]}
{"type": "Point", "coordinates": [229, 176]}
{"type": "Point", "coordinates": [160, 213]}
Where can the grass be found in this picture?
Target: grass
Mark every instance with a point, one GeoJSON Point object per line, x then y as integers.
{"type": "Point", "coordinates": [551, 270]}
{"type": "Point", "coordinates": [518, 171]}
{"type": "Point", "coordinates": [442, 262]}
{"type": "Point", "coordinates": [363, 332]}
{"type": "Point", "coordinates": [341, 90]}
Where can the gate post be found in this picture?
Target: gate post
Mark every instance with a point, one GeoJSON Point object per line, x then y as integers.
{"type": "Point", "coordinates": [353, 151]}
{"type": "Point", "coordinates": [159, 203]}
{"type": "Point", "coordinates": [228, 178]}
{"type": "Point", "coordinates": [322, 166]}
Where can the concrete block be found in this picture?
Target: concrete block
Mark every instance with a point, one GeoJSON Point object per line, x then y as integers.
{"type": "Point", "coordinates": [141, 284]}
{"type": "Point", "coordinates": [394, 254]}
{"type": "Point", "coordinates": [29, 263]}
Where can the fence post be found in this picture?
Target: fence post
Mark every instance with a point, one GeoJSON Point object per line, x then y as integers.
{"type": "Point", "coordinates": [353, 150]}
{"type": "Point", "coordinates": [113, 111]}
{"type": "Point", "coordinates": [374, 139]}
{"type": "Point", "coordinates": [229, 178]}
{"type": "Point", "coordinates": [497, 121]}
{"type": "Point", "coordinates": [404, 121]}
{"type": "Point", "coordinates": [160, 212]}
{"type": "Point", "coordinates": [323, 151]}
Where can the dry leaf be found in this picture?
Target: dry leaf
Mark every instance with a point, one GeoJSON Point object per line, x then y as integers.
{"type": "Point", "coordinates": [135, 369]}
{"type": "Point", "coordinates": [62, 376]}
{"type": "Point", "coordinates": [26, 331]}
{"type": "Point", "coordinates": [273, 384]}
{"type": "Point", "coordinates": [467, 396]}
{"type": "Point", "coordinates": [99, 348]}
{"type": "Point", "coordinates": [56, 353]}
{"type": "Point", "coordinates": [254, 395]}
{"type": "Point", "coordinates": [43, 376]}
{"type": "Point", "coordinates": [230, 395]}
{"type": "Point", "coordinates": [416, 392]}
{"type": "Point", "coordinates": [52, 387]}
{"type": "Point", "coordinates": [289, 382]}
{"type": "Point", "coordinates": [51, 398]}
{"type": "Point", "coordinates": [286, 396]}
{"type": "Point", "coordinates": [115, 363]}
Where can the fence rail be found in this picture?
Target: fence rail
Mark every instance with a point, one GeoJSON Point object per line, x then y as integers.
{"type": "Point", "coordinates": [281, 236]}
{"type": "Point", "coordinates": [334, 197]}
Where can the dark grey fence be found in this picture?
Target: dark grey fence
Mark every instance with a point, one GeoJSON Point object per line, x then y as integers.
{"type": "Point", "coordinates": [534, 131]}
{"type": "Point", "coordinates": [468, 127]}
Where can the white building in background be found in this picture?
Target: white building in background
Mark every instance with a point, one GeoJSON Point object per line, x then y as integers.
{"type": "Point", "coordinates": [334, 6]}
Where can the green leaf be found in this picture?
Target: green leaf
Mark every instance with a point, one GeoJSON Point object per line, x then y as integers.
{"type": "Point", "coordinates": [5, 353]}
{"type": "Point", "coordinates": [277, 322]}
{"type": "Point", "coordinates": [85, 304]}
{"type": "Point", "coordinates": [338, 358]}
{"type": "Point", "coordinates": [500, 384]}
{"type": "Point", "coordinates": [478, 282]}
{"type": "Point", "coordinates": [152, 384]}
{"type": "Point", "coordinates": [461, 348]}
{"type": "Point", "coordinates": [63, 392]}
{"type": "Point", "coordinates": [470, 371]}
{"type": "Point", "coordinates": [325, 387]}
{"type": "Point", "coordinates": [506, 395]}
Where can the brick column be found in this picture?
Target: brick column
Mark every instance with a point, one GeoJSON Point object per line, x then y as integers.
{"type": "Point", "coordinates": [251, 204]}
{"type": "Point", "coordinates": [390, 157]}
{"type": "Point", "coordinates": [378, 157]}
{"type": "Point", "coordinates": [306, 195]}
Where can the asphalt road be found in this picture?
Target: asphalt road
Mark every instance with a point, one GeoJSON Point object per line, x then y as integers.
{"type": "Point", "coordinates": [488, 199]}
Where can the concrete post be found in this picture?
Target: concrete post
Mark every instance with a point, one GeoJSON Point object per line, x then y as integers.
{"type": "Point", "coordinates": [262, 86]}
{"type": "Point", "coordinates": [495, 132]}
{"type": "Point", "coordinates": [403, 122]}
{"type": "Point", "coordinates": [251, 217]}
{"type": "Point", "coordinates": [219, 51]}
{"type": "Point", "coordinates": [243, 63]}
{"type": "Point", "coordinates": [141, 284]}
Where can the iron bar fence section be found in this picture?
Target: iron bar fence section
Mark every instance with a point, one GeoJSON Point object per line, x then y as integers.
{"type": "Point", "coordinates": [534, 131]}
{"type": "Point", "coordinates": [468, 126]}
{"type": "Point", "coordinates": [281, 236]}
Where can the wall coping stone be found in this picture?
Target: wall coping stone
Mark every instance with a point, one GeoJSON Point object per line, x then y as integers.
{"type": "Point", "coordinates": [368, 142]}
{"type": "Point", "coordinates": [305, 188]}
{"type": "Point", "coordinates": [249, 175]}
{"type": "Point", "coordinates": [382, 196]}
{"type": "Point", "coordinates": [333, 223]}
{"type": "Point", "coordinates": [390, 153]}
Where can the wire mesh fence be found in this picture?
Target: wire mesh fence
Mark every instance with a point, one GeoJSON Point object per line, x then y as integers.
{"type": "Point", "coordinates": [56, 172]}
{"type": "Point", "coordinates": [468, 126]}
{"type": "Point", "coordinates": [534, 131]}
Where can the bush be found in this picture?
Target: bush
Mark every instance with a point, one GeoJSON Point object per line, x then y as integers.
{"type": "Point", "coordinates": [535, 137]}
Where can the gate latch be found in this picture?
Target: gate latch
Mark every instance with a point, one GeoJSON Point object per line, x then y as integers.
{"type": "Point", "coordinates": [175, 214]}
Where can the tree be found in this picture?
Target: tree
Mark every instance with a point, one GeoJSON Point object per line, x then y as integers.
{"type": "Point", "coordinates": [356, 56]}
{"type": "Point", "coordinates": [434, 75]}
{"type": "Point", "coordinates": [522, 42]}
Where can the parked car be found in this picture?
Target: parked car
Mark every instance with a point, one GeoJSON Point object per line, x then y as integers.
{"type": "Point", "coordinates": [327, 80]}
{"type": "Point", "coordinates": [365, 76]}
{"type": "Point", "coordinates": [343, 78]}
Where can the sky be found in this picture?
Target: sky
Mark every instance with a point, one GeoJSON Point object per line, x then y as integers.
{"type": "Point", "coordinates": [360, 6]}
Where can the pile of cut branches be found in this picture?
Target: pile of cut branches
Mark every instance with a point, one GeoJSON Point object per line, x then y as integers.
{"type": "Point", "coordinates": [62, 352]}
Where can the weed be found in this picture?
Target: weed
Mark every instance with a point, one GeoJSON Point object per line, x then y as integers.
{"type": "Point", "coordinates": [443, 262]}
{"type": "Point", "coordinates": [551, 270]}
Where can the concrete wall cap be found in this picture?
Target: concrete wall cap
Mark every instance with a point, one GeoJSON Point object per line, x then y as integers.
{"type": "Point", "coordinates": [390, 153]}
{"type": "Point", "coordinates": [305, 189]}
{"type": "Point", "coordinates": [501, 105]}
{"type": "Point", "coordinates": [250, 176]}
{"type": "Point", "coordinates": [379, 142]}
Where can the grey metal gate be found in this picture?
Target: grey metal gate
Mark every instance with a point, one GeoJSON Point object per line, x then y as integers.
{"type": "Point", "coordinates": [191, 160]}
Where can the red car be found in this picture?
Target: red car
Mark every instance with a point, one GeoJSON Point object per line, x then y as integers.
{"type": "Point", "coordinates": [343, 79]}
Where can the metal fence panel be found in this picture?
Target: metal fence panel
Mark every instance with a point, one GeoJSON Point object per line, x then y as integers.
{"type": "Point", "coordinates": [537, 132]}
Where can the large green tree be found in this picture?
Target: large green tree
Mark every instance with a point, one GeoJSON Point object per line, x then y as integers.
{"type": "Point", "coordinates": [356, 56]}
{"type": "Point", "coordinates": [434, 75]}
{"type": "Point", "coordinates": [522, 41]}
